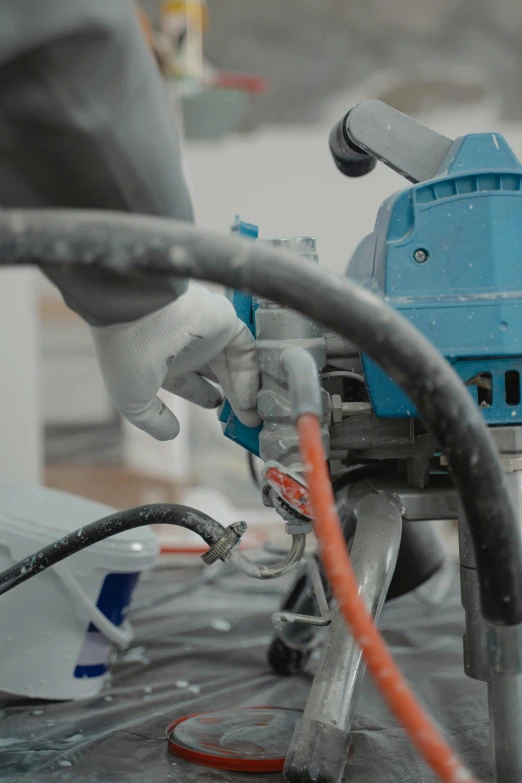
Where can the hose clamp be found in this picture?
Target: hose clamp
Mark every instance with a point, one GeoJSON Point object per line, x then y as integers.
{"type": "Point", "coordinates": [225, 544]}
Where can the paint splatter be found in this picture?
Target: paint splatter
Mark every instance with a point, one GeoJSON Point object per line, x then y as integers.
{"type": "Point", "coordinates": [220, 625]}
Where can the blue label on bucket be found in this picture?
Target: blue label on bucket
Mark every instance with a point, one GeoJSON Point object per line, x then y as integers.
{"type": "Point", "coordinates": [114, 598]}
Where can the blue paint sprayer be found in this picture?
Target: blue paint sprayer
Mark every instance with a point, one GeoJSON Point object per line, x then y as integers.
{"type": "Point", "coordinates": [408, 368]}
{"type": "Point", "coordinates": [446, 252]}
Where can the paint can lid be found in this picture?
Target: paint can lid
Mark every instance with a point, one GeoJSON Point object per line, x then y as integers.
{"type": "Point", "coordinates": [244, 739]}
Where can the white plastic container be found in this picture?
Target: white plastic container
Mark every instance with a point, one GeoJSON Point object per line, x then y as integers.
{"type": "Point", "coordinates": [58, 629]}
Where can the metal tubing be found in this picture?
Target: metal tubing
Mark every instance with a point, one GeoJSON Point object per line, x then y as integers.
{"type": "Point", "coordinates": [261, 571]}
{"type": "Point", "coordinates": [317, 583]}
{"type": "Point", "coordinates": [505, 688]}
{"type": "Point", "coordinates": [334, 692]}
{"type": "Point", "coordinates": [279, 619]}
{"type": "Point", "coordinates": [374, 554]}
{"type": "Point", "coordinates": [505, 718]}
{"type": "Point", "coordinates": [481, 661]}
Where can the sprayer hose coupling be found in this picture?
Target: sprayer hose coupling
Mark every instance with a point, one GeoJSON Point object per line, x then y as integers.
{"type": "Point", "coordinates": [221, 548]}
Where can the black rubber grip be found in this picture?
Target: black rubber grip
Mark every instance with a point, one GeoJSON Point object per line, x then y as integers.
{"type": "Point", "coordinates": [351, 160]}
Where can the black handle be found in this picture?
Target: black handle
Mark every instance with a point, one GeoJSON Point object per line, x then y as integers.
{"type": "Point", "coordinates": [351, 160]}
{"type": "Point", "coordinates": [374, 131]}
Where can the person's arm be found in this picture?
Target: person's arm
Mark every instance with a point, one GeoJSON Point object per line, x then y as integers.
{"type": "Point", "coordinates": [85, 122]}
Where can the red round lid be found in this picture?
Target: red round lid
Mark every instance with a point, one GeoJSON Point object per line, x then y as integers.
{"type": "Point", "coordinates": [245, 739]}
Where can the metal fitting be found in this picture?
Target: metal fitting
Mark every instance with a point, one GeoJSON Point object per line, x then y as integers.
{"type": "Point", "coordinates": [296, 524]}
{"type": "Point", "coordinates": [336, 408]}
{"type": "Point", "coordinates": [261, 571]}
{"type": "Point", "coordinates": [339, 410]}
{"type": "Point", "coordinates": [226, 543]}
{"type": "Point", "coordinates": [475, 656]}
{"type": "Point", "coordinates": [299, 526]}
{"type": "Point", "coordinates": [504, 648]}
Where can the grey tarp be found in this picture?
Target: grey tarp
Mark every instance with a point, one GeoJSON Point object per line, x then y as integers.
{"type": "Point", "coordinates": [120, 736]}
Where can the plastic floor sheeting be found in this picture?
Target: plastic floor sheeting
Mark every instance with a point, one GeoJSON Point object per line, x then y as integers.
{"type": "Point", "coordinates": [207, 651]}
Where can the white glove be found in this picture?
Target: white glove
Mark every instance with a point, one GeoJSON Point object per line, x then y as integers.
{"type": "Point", "coordinates": [197, 334]}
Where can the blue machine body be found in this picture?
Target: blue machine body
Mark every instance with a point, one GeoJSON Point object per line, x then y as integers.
{"type": "Point", "coordinates": [465, 294]}
{"type": "Point", "coordinates": [245, 307]}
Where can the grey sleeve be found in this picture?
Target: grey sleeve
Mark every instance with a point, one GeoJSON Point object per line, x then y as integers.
{"type": "Point", "coordinates": [86, 122]}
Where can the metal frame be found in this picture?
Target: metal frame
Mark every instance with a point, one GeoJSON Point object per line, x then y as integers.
{"type": "Point", "coordinates": [333, 697]}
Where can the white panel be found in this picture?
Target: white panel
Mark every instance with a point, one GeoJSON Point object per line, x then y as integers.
{"type": "Point", "coordinates": [169, 460]}
{"type": "Point", "coordinates": [20, 425]}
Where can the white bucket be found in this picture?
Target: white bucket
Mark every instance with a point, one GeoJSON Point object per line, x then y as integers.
{"type": "Point", "coordinates": [58, 629]}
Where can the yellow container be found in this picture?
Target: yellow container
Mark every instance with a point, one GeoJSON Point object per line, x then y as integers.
{"type": "Point", "coordinates": [183, 21]}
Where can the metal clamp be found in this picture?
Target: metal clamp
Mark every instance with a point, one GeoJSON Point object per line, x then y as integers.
{"type": "Point", "coordinates": [225, 544]}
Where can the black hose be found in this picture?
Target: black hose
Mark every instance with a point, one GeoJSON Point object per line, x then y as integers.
{"type": "Point", "coordinates": [158, 513]}
{"type": "Point", "coordinates": [130, 243]}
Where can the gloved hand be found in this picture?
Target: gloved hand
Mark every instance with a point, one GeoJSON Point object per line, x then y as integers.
{"type": "Point", "coordinates": [197, 334]}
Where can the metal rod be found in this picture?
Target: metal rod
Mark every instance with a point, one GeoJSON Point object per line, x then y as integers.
{"type": "Point", "coordinates": [333, 696]}
{"type": "Point", "coordinates": [505, 688]}
{"type": "Point", "coordinates": [317, 583]}
{"type": "Point", "coordinates": [120, 242]}
{"type": "Point", "coordinates": [374, 554]}
{"type": "Point", "coordinates": [505, 720]}
{"type": "Point", "coordinates": [261, 571]}
{"type": "Point", "coordinates": [281, 618]}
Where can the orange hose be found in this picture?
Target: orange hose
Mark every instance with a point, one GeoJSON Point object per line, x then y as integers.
{"type": "Point", "coordinates": [334, 555]}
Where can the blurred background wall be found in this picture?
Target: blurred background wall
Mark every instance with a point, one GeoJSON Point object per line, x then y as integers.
{"type": "Point", "coordinates": [310, 50]}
